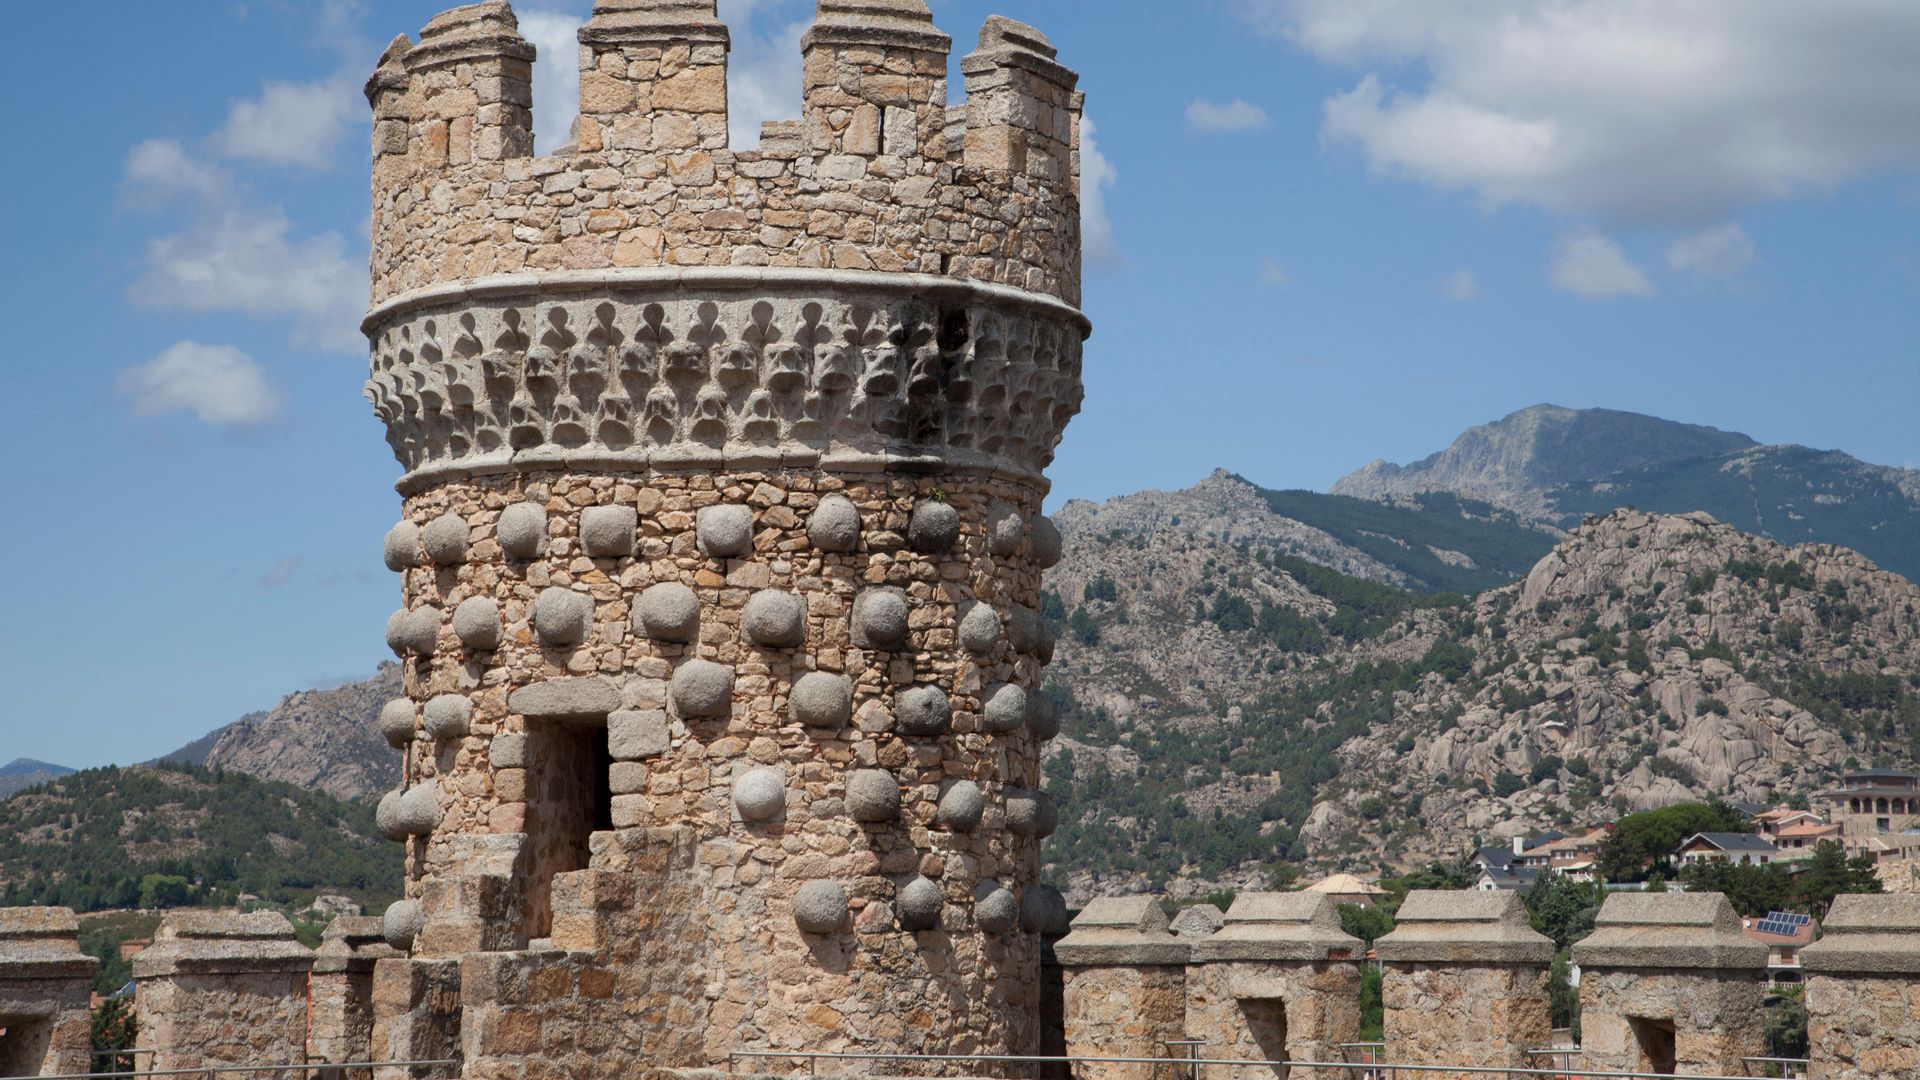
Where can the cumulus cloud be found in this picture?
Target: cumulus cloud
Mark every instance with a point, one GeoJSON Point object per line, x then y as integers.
{"type": "Point", "coordinates": [1591, 265]}
{"type": "Point", "coordinates": [1720, 252]}
{"type": "Point", "coordinates": [1460, 285]}
{"type": "Point", "coordinates": [1097, 174]}
{"type": "Point", "coordinates": [161, 170]}
{"type": "Point", "coordinates": [217, 383]}
{"type": "Point", "coordinates": [556, 75]}
{"type": "Point", "coordinates": [1273, 274]}
{"type": "Point", "coordinates": [1236, 115]}
{"type": "Point", "coordinates": [1663, 112]}
{"type": "Point", "coordinates": [292, 123]}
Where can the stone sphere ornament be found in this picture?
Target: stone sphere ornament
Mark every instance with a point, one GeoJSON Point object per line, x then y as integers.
{"type": "Point", "coordinates": [414, 811]}
{"type": "Point", "coordinates": [476, 622]}
{"type": "Point", "coordinates": [918, 904]}
{"type": "Point", "coordinates": [1043, 910]}
{"type": "Point", "coordinates": [401, 547]}
{"type": "Point", "coordinates": [1043, 542]}
{"type": "Point", "coordinates": [995, 910]}
{"type": "Point", "coordinates": [834, 525]}
{"type": "Point", "coordinates": [820, 907]}
{"type": "Point", "coordinates": [774, 619]}
{"type": "Point", "coordinates": [760, 794]}
{"type": "Point", "coordinates": [396, 722]}
{"type": "Point", "coordinates": [1006, 530]}
{"type": "Point", "coordinates": [822, 699]}
{"type": "Point", "coordinates": [668, 611]}
{"type": "Point", "coordinates": [880, 619]}
{"type": "Point", "coordinates": [1030, 813]}
{"type": "Point", "coordinates": [1043, 716]}
{"type": "Point", "coordinates": [447, 716]}
{"type": "Point", "coordinates": [522, 530]}
{"type": "Point", "coordinates": [402, 923]}
{"type": "Point", "coordinates": [386, 816]}
{"type": "Point", "coordinates": [606, 532]}
{"type": "Point", "coordinates": [922, 710]}
{"type": "Point", "coordinates": [960, 807]}
{"type": "Point", "coordinates": [1003, 708]}
{"type": "Point", "coordinates": [702, 689]}
{"type": "Point", "coordinates": [1024, 627]}
{"type": "Point", "coordinates": [873, 795]}
{"type": "Point", "coordinates": [445, 539]}
{"type": "Point", "coordinates": [415, 632]}
{"type": "Point", "coordinates": [980, 628]}
{"type": "Point", "coordinates": [724, 532]}
{"type": "Point", "coordinates": [933, 528]}
{"type": "Point", "coordinates": [561, 616]}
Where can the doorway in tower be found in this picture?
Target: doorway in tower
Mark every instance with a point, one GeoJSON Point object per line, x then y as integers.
{"type": "Point", "coordinates": [1658, 1046]}
{"type": "Point", "coordinates": [569, 798]}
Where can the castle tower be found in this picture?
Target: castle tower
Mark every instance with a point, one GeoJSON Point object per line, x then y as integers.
{"type": "Point", "coordinates": [721, 541]}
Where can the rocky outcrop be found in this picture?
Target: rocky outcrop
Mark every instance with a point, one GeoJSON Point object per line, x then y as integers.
{"type": "Point", "coordinates": [324, 739]}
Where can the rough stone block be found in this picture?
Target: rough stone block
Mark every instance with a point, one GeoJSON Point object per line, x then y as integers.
{"type": "Point", "coordinates": [919, 903]}
{"type": "Point", "coordinates": [961, 806]}
{"type": "Point", "coordinates": [476, 622]}
{"type": "Point", "coordinates": [586, 697]}
{"type": "Point", "coordinates": [637, 734]}
{"type": "Point", "coordinates": [447, 716]}
{"type": "Point", "coordinates": [396, 722]}
{"type": "Point", "coordinates": [1003, 708]}
{"type": "Point", "coordinates": [760, 794]}
{"type": "Point", "coordinates": [873, 795]}
{"type": "Point", "coordinates": [508, 751]}
{"type": "Point", "coordinates": [401, 547]}
{"type": "Point", "coordinates": [820, 907]}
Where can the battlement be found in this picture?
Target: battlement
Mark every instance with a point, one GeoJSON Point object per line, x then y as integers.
{"type": "Point", "coordinates": [878, 173]}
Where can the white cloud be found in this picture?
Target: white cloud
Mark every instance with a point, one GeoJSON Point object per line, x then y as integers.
{"type": "Point", "coordinates": [1591, 265]}
{"type": "Point", "coordinates": [1236, 115]}
{"type": "Point", "coordinates": [556, 75]}
{"type": "Point", "coordinates": [281, 573]}
{"type": "Point", "coordinates": [1273, 274]}
{"type": "Point", "coordinates": [1097, 174]}
{"type": "Point", "coordinates": [1667, 112]}
{"type": "Point", "coordinates": [1722, 252]}
{"type": "Point", "coordinates": [218, 383]}
{"type": "Point", "coordinates": [292, 123]}
{"type": "Point", "coordinates": [161, 170]}
{"type": "Point", "coordinates": [1460, 285]}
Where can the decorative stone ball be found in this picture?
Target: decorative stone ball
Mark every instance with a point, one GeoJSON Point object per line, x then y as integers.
{"type": "Point", "coordinates": [476, 622]}
{"type": "Point", "coordinates": [1003, 708]}
{"type": "Point", "coordinates": [724, 532]}
{"type": "Point", "coordinates": [447, 716]}
{"type": "Point", "coordinates": [1043, 910]}
{"type": "Point", "coordinates": [417, 812]}
{"type": "Point", "coordinates": [606, 532]}
{"type": "Point", "coordinates": [774, 619]}
{"type": "Point", "coordinates": [919, 903]}
{"type": "Point", "coordinates": [822, 699]}
{"type": "Point", "coordinates": [820, 907]}
{"type": "Point", "coordinates": [396, 722]}
{"type": "Point", "coordinates": [994, 908]}
{"type": "Point", "coordinates": [402, 546]}
{"type": "Point", "coordinates": [386, 816]}
{"type": "Point", "coordinates": [1023, 629]}
{"type": "Point", "coordinates": [1043, 650]}
{"type": "Point", "coordinates": [1043, 541]}
{"type": "Point", "coordinates": [880, 619]}
{"type": "Point", "coordinates": [933, 528]}
{"type": "Point", "coordinates": [702, 688]}
{"type": "Point", "coordinates": [760, 794]}
{"type": "Point", "coordinates": [980, 628]}
{"type": "Point", "coordinates": [445, 539]}
{"type": "Point", "coordinates": [960, 807]}
{"type": "Point", "coordinates": [835, 524]}
{"type": "Point", "coordinates": [562, 616]}
{"type": "Point", "coordinates": [415, 632]}
{"type": "Point", "coordinates": [1006, 531]}
{"type": "Point", "coordinates": [522, 530]}
{"type": "Point", "coordinates": [403, 922]}
{"type": "Point", "coordinates": [1043, 716]}
{"type": "Point", "coordinates": [1031, 813]}
{"type": "Point", "coordinates": [873, 795]}
{"type": "Point", "coordinates": [668, 611]}
{"type": "Point", "coordinates": [921, 710]}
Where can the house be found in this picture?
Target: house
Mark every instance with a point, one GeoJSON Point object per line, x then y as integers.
{"type": "Point", "coordinates": [1511, 878]}
{"type": "Point", "coordinates": [1742, 848]}
{"type": "Point", "coordinates": [1347, 889]}
{"type": "Point", "coordinates": [1784, 933]}
{"type": "Point", "coordinates": [1768, 823]}
{"type": "Point", "coordinates": [1532, 851]}
{"type": "Point", "coordinates": [1872, 803]}
{"type": "Point", "coordinates": [1798, 840]}
{"type": "Point", "coordinates": [1574, 856]}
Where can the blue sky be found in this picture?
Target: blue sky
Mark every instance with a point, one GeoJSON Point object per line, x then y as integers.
{"type": "Point", "coordinates": [1323, 231]}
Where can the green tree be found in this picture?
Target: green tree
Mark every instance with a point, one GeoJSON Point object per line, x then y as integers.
{"type": "Point", "coordinates": [165, 891]}
{"type": "Point", "coordinates": [1563, 1000]}
{"type": "Point", "coordinates": [1562, 908]}
{"type": "Point", "coordinates": [1830, 873]}
{"type": "Point", "coordinates": [1787, 1024]}
{"type": "Point", "coordinates": [1365, 923]}
{"type": "Point", "coordinates": [1373, 1009]}
{"type": "Point", "coordinates": [1754, 890]}
{"type": "Point", "coordinates": [1638, 841]}
{"type": "Point", "coordinates": [114, 1029]}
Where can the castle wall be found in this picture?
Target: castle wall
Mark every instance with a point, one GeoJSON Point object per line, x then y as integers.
{"type": "Point", "coordinates": [1125, 992]}
{"type": "Point", "coordinates": [45, 984]}
{"type": "Point", "coordinates": [1863, 989]}
{"type": "Point", "coordinates": [340, 995]}
{"type": "Point", "coordinates": [221, 989]}
{"type": "Point", "coordinates": [1464, 982]}
{"type": "Point", "coordinates": [416, 1015]}
{"type": "Point", "coordinates": [1276, 982]}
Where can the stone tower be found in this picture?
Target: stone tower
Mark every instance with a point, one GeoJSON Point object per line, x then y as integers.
{"type": "Point", "coordinates": [721, 540]}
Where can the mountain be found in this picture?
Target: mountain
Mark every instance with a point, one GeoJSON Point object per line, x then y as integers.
{"type": "Point", "coordinates": [1513, 461]}
{"type": "Point", "coordinates": [318, 739]}
{"type": "Point", "coordinates": [23, 773]}
{"type": "Point", "coordinates": [175, 834]}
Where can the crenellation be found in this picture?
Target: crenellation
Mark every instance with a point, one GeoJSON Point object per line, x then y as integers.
{"type": "Point", "coordinates": [653, 77]}
{"type": "Point", "coordinates": [1022, 112]}
{"type": "Point", "coordinates": [45, 981]}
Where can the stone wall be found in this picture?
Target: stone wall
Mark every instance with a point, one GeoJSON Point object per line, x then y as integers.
{"type": "Point", "coordinates": [222, 989]}
{"type": "Point", "coordinates": [1125, 992]}
{"type": "Point", "coordinates": [1277, 981]}
{"type": "Point", "coordinates": [1863, 989]}
{"type": "Point", "coordinates": [340, 996]}
{"type": "Point", "coordinates": [45, 982]}
{"type": "Point", "coordinates": [416, 1015]}
{"type": "Point", "coordinates": [1464, 982]}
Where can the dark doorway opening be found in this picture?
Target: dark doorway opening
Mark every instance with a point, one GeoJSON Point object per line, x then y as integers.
{"type": "Point", "coordinates": [23, 1045]}
{"type": "Point", "coordinates": [1659, 1052]}
{"type": "Point", "coordinates": [569, 798]}
{"type": "Point", "coordinates": [1267, 1025]}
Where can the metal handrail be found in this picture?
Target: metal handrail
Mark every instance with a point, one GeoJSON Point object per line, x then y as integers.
{"type": "Point", "coordinates": [214, 1070]}
{"type": "Point", "coordinates": [812, 1056]}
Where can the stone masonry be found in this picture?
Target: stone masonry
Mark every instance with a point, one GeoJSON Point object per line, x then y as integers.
{"type": "Point", "coordinates": [221, 989]}
{"type": "Point", "coordinates": [1863, 989]}
{"type": "Point", "coordinates": [340, 1013]}
{"type": "Point", "coordinates": [1126, 987]}
{"type": "Point", "coordinates": [1277, 982]}
{"type": "Point", "coordinates": [45, 981]}
{"type": "Point", "coordinates": [721, 539]}
{"type": "Point", "coordinates": [1668, 982]}
{"type": "Point", "coordinates": [1464, 982]}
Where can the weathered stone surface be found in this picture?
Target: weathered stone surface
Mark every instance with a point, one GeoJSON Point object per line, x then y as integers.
{"type": "Point", "coordinates": [386, 816]}
{"type": "Point", "coordinates": [417, 812]}
{"type": "Point", "coordinates": [834, 525]}
{"type": "Point", "coordinates": [1466, 981]}
{"type": "Point", "coordinates": [1464, 926]}
{"type": "Point", "coordinates": [980, 629]}
{"type": "Point", "coordinates": [760, 794]}
{"type": "Point", "coordinates": [1043, 910]}
{"type": "Point", "coordinates": [1868, 934]}
{"type": "Point", "coordinates": [1264, 926]}
{"type": "Point", "coordinates": [522, 530]}
{"type": "Point", "coordinates": [703, 689]}
{"type": "Point", "coordinates": [822, 699]}
{"type": "Point", "coordinates": [820, 907]}
{"type": "Point", "coordinates": [1121, 930]}
{"type": "Point", "coordinates": [1003, 708]}
{"type": "Point", "coordinates": [508, 751]}
{"type": "Point", "coordinates": [606, 532]}
{"type": "Point", "coordinates": [401, 547]}
{"type": "Point", "coordinates": [1006, 530]}
{"type": "Point", "coordinates": [725, 532]}
{"type": "Point", "coordinates": [1031, 813]}
{"type": "Point", "coordinates": [562, 617]}
{"type": "Point", "coordinates": [933, 528]}
{"type": "Point", "coordinates": [402, 923]}
{"type": "Point", "coordinates": [775, 619]}
{"type": "Point", "coordinates": [919, 904]}
{"type": "Point", "coordinates": [476, 622]}
{"type": "Point", "coordinates": [880, 619]}
{"type": "Point", "coordinates": [582, 697]}
{"type": "Point", "coordinates": [1043, 542]}
{"type": "Point", "coordinates": [45, 982]}
{"type": "Point", "coordinates": [995, 909]}
{"type": "Point", "coordinates": [1024, 629]}
{"type": "Point", "coordinates": [961, 806]}
{"type": "Point", "coordinates": [1197, 921]}
{"type": "Point", "coordinates": [445, 540]}
{"type": "Point", "coordinates": [223, 989]}
{"type": "Point", "coordinates": [413, 632]}
{"type": "Point", "coordinates": [922, 710]}
{"type": "Point", "coordinates": [396, 721]}
{"type": "Point", "coordinates": [1672, 929]}
{"type": "Point", "coordinates": [668, 611]}
{"type": "Point", "coordinates": [447, 716]}
{"type": "Point", "coordinates": [873, 795]}
{"type": "Point", "coordinates": [638, 734]}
